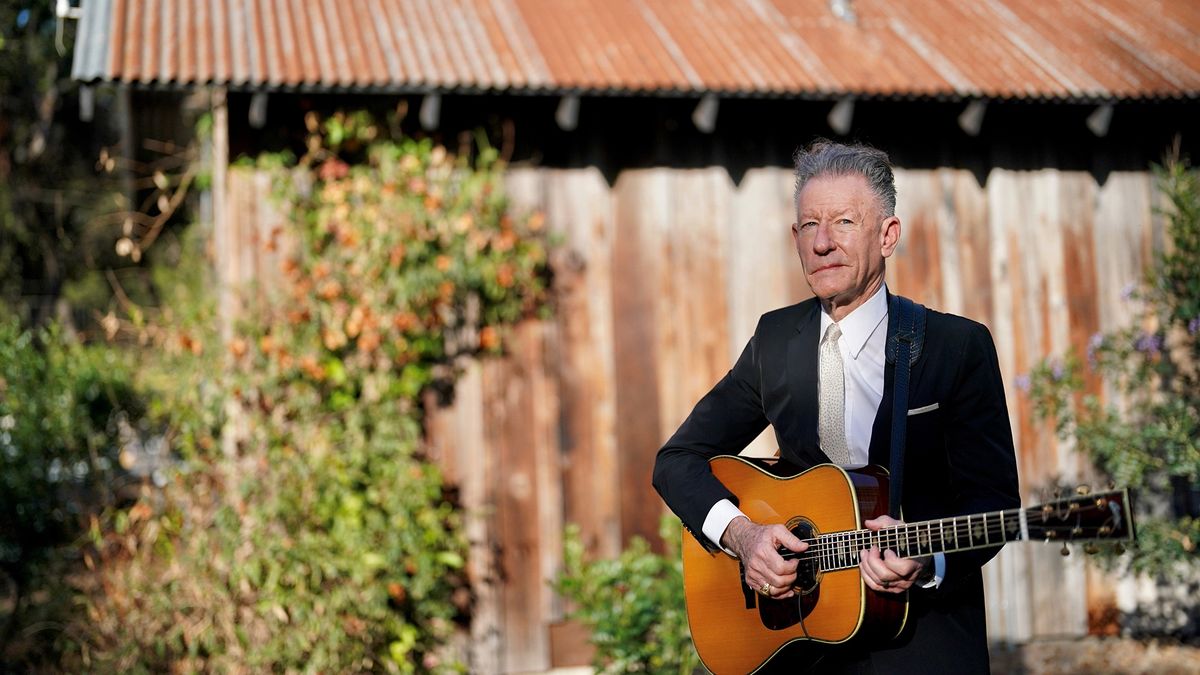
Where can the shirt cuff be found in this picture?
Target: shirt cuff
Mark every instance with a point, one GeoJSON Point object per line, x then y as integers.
{"type": "Point", "coordinates": [939, 571]}
{"type": "Point", "coordinates": [718, 518]}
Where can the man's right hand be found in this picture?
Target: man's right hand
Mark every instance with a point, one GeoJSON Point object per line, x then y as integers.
{"type": "Point", "coordinates": [756, 545]}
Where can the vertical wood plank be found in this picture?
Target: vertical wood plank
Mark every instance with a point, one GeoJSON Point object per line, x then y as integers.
{"type": "Point", "coordinates": [641, 213]}
{"type": "Point", "coordinates": [764, 271]}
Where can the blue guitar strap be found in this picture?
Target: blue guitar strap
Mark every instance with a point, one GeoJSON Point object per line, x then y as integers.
{"type": "Point", "coordinates": [906, 334]}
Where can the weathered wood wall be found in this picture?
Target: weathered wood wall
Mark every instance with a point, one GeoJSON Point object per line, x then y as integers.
{"type": "Point", "coordinates": [666, 273]}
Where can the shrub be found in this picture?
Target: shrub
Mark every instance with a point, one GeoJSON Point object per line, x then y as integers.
{"type": "Point", "coordinates": [316, 536]}
{"type": "Point", "coordinates": [1149, 437]}
{"type": "Point", "coordinates": [634, 605]}
{"type": "Point", "coordinates": [60, 407]}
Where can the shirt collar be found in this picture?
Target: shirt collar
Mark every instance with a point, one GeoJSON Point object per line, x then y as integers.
{"type": "Point", "coordinates": [858, 326]}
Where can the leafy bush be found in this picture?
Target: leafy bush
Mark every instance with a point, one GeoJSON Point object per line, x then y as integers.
{"type": "Point", "coordinates": [1149, 438]}
{"type": "Point", "coordinates": [60, 405]}
{"type": "Point", "coordinates": [315, 535]}
{"type": "Point", "coordinates": [634, 605]}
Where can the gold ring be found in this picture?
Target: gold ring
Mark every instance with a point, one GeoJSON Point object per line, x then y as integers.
{"type": "Point", "coordinates": [765, 590]}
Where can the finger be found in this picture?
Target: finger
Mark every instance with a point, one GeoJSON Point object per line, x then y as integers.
{"type": "Point", "coordinates": [785, 538]}
{"type": "Point", "coordinates": [763, 571]}
{"type": "Point", "coordinates": [881, 522]}
{"type": "Point", "coordinates": [875, 569]}
{"type": "Point", "coordinates": [869, 575]}
{"type": "Point", "coordinates": [903, 568]}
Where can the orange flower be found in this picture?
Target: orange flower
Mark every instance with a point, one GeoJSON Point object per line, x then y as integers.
{"type": "Point", "coordinates": [396, 256]}
{"type": "Point", "coordinates": [404, 320]}
{"type": "Point", "coordinates": [290, 267]}
{"type": "Point", "coordinates": [321, 270]}
{"type": "Point", "coordinates": [238, 347]}
{"type": "Point", "coordinates": [505, 241]}
{"type": "Point", "coordinates": [313, 369]}
{"type": "Point", "coordinates": [368, 342]}
{"type": "Point", "coordinates": [537, 220]}
{"type": "Point", "coordinates": [333, 169]}
{"type": "Point", "coordinates": [355, 322]}
{"type": "Point", "coordinates": [266, 344]}
{"type": "Point", "coordinates": [488, 338]}
{"type": "Point", "coordinates": [347, 236]}
{"type": "Point", "coordinates": [442, 263]}
{"type": "Point", "coordinates": [330, 289]}
{"type": "Point", "coordinates": [504, 275]}
{"type": "Point", "coordinates": [334, 339]}
{"type": "Point", "coordinates": [446, 290]}
{"type": "Point", "coordinates": [298, 316]}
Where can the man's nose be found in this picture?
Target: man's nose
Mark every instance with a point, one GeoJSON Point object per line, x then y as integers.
{"type": "Point", "coordinates": [822, 241]}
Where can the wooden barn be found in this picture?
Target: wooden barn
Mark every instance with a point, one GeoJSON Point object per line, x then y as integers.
{"type": "Point", "coordinates": [657, 137]}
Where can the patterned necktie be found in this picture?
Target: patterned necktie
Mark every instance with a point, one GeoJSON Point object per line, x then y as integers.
{"type": "Point", "coordinates": [831, 412]}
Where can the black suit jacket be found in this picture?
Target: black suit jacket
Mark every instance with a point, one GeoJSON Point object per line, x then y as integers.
{"type": "Point", "coordinates": [959, 456]}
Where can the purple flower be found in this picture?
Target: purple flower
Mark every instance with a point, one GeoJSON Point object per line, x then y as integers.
{"type": "Point", "coordinates": [1057, 371]}
{"type": "Point", "coordinates": [1127, 290]}
{"type": "Point", "coordinates": [1194, 326]}
{"type": "Point", "coordinates": [1149, 344]}
{"type": "Point", "coordinates": [1094, 345]}
{"type": "Point", "coordinates": [1022, 382]}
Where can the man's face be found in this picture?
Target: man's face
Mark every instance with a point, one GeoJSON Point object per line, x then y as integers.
{"type": "Point", "coordinates": [842, 238]}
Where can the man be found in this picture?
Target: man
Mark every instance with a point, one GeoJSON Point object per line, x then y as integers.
{"type": "Point", "coordinates": [817, 373]}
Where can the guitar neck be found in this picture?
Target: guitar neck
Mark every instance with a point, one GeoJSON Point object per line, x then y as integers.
{"type": "Point", "coordinates": [1083, 518]}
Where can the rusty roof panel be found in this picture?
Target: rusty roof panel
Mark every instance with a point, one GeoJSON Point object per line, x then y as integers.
{"type": "Point", "coordinates": [1061, 49]}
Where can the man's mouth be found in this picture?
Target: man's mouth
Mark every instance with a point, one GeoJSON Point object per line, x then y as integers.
{"type": "Point", "coordinates": [827, 267]}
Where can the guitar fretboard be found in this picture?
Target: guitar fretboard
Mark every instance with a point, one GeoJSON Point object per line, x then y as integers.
{"type": "Point", "coordinates": [1105, 519]}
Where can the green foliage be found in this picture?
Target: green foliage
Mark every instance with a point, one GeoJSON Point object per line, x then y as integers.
{"type": "Point", "coordinates": [60, 404]}
{"type": "Point", "coordinates": [634, 605]}
{"type": "Point", "coordinates": [316, 536]}
{"type": "Point", "coordinates": [1149, 439]}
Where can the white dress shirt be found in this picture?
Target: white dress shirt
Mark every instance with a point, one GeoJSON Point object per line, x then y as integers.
{"type": "Point", "coordinates": [862, 345]}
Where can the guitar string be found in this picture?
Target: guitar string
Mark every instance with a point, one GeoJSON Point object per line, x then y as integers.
{"type": "Point", "coordinates": [927, 535]}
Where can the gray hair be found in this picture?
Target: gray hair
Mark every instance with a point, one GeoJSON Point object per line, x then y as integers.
{"type": "Point", "coordinates": [826, 158]}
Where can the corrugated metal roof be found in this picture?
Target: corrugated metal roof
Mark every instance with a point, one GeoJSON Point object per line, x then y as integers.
{"type": "Point", "coordinates": [1100, 49]}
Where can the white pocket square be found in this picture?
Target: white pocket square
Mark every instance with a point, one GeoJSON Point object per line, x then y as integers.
{"type": "Point", "coordinates": [923, 409]}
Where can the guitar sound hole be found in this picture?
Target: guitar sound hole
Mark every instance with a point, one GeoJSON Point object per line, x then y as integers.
{"type": "Point", "coordinates": [780, 614]}
{"type": "Point", "coordinates": [808, 573]}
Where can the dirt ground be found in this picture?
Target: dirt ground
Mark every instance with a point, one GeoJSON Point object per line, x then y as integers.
{"type": "Point", "coordinates": [1095, 656]}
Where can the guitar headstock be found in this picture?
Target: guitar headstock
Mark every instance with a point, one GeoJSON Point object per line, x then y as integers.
{"type": "Point", "coordinates": [1083, 517]}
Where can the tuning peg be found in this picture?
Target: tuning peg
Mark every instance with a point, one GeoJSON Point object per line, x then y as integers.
{"type": "Point", "coordinates": [1091, 549]}
{"type": "Point", "coordinates": [1083, 489]}
{"type": "Point", "coordinates": [1065, 551]}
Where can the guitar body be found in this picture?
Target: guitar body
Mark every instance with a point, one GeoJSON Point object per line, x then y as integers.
{"type": "Point", "coordinates": [736, 630]}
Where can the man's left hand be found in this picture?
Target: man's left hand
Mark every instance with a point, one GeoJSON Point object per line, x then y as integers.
{"type": "Point", "coordinates": [884, 571]}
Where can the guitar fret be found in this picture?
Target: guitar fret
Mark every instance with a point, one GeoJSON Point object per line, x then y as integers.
{"type": "Point", "coordinates": [985, 529]}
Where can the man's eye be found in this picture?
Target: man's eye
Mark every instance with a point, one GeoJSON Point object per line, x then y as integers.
{"type": "Point", "coordinates": [807, 226]}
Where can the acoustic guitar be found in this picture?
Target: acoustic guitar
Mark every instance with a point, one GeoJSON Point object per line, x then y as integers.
{"type": "Point", "coordinates": [736, 630]}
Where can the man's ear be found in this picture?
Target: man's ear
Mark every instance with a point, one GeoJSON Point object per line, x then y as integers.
{"type": "Point", "coordinates": [889, 235]}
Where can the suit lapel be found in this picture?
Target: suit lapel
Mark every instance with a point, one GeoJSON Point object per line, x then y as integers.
{"type": "Point", "coordinates": [802, 374]}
